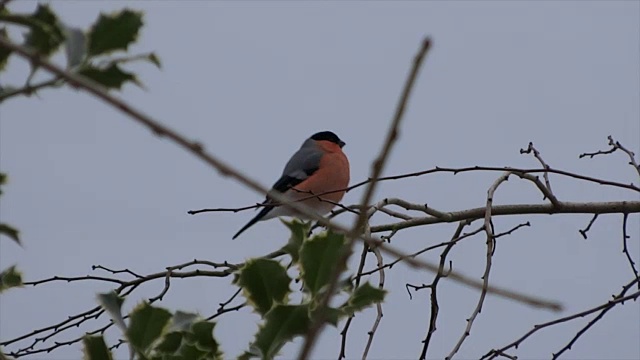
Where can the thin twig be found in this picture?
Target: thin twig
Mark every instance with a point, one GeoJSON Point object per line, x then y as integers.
{"type": "Point", "coordinates": [422, 251]}
{"type": "Point", "coordinates": [345, 329]}
{"type": "Point", "coordinates": [625, 249]}
{"type": "Point", "coordinates": [615, 145]}
{"type": "Point", "coordinates": [112, 271]}
{"type": "Point", "coordinates": [379, 313]}
{"type": "Point", "coordinates": [355, 232]}
{"type": "Point", "coordinates": [531, 149]}
{"type": "Point", "coordinates": [604, 308]}
{"type": "Point", "coordinates": [584, 231]}
{"type": "Point", "coordinates": [435, 307]}
{"type": "Point", "coordinates": [491, 243]}
{"type": "Point", "coordinates": [29, 89]}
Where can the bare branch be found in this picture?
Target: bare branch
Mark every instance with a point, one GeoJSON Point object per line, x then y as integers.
{"type": "Point", "coordinates": [625, 249]}
{"type": "Point", "coordinates": [422, 251]}
{"type": "Point", "coordinates": [345, 329]}
{"type": "Point", "coordinates": [564, 207]}
{"type": "Point", "coordinates": [435, 307]}
{"type": "Point", "coordinates": [379, 313]}
{"type": "Point", "coordinates": [584, 231]}
{"type": "Point", "coordinates": [604, 308]}
{"type": "Point", "coordinates": [28, 89]}
{"type": "Point", "coordinates": [615, 145]}
{"type": "Point", "coordinates": [531, 149]}
{"type": "Point", "coordinates": [491, 243]}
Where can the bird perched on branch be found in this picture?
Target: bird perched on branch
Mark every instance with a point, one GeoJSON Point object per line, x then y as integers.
{"type": "Point", "coordinates": [320, 168]}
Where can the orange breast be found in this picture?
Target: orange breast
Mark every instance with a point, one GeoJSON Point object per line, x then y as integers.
{"type": "Point", "coordinates": [333, 174]}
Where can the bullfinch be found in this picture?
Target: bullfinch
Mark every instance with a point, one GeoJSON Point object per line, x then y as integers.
{"type": "Point", "coordinates": [318, 167]}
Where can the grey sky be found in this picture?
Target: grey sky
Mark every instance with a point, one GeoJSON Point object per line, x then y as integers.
{"type": "Point", "coordinates": [252, 80]}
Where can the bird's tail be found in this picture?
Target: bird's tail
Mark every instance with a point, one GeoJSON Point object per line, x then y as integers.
{"type": "Point", "coordinates": [265, 210]}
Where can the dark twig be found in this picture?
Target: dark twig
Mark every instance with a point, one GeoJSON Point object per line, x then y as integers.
{"type": "Point", "coordinates": [546, 191]}
{"type": "Point", "coordinates": [422, 251]}
{"type": "Point", "coordinates": [625, 249]}
{"type": "Point", "coordinates": [531, 149]}
{"type": "Point", "coordinates": [617, 299]}
{"type": "Point", "coordinates": [222, 307]}
{"type": "Point", "coordinates": [347, 324]}
{"type": "Point", "coordinates": [30, 89]}
{"type": "Point", "coordinates": [509, 232]}
{"type": "Point", "coordinates": [608, 306]}
{"type": "Point", "coordinates": [435, 307]}
{"type": "Point", "coordinates": [379, 313]}
{"type": "Point", "coordinates": [584, 231]}
{"type": "Point", "coordinates": [112, 271]}
{"type": "Point", "coordinates": [615, 145]}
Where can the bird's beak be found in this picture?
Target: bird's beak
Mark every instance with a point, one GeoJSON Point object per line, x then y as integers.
{"type": "Point", "coordinates": [342, 143]}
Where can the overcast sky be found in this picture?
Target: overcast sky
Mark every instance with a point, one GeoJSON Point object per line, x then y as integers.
{"type": "Point", "coordinates": [252, 80]}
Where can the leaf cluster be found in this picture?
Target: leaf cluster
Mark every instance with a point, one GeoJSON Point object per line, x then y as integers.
{"type": "Point", "coordinates": [154, 333]}
{"type": "Point", "coordinates": [98, 53]}
{"type": "Point", "coordinates": [266, 285]}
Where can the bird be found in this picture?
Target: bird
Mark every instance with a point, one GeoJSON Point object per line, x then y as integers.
{"type": "Point", "coordinates": [319, 167]}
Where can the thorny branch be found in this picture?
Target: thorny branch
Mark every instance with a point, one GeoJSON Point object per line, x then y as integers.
{"type": "Point", "coordinates": [355, 232]}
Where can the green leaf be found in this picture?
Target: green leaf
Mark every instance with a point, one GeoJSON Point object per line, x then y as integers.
{"type": "Point", "coordinates": [203, 336]}
{"type": "Point", "coordinates": [10, 278]}
{"type": "Point", "coordinates": [264, 283]}
{"type": "Point", "coordinates": [45, 35]}
{"type": "Point", "coordinates": [10, 232]}
{"type": "Point", "coordinates": [282, 324]}
{"type": "Point", "coordinates": [95, 348]}
{"type": "Point", "coordinates": [299, 231]}
{"type": "Point", "coordinates": [4, 53]}
{"type": "Point", "coordinates": [318, 258]}
{"type": "Point", "coordinates": [333, 315]}
{"type": "Point", "coordinates": [146, 325]}
{"type": "Point", "coordinates": [112, 32]}
{"type": "Point", "coordinates": [170, 343]}
{"type": "Point", "coordinates": [112, 304]}
{"type": "Point", "coordinates": [364, 296]}
{"type": "Point", "coordinates": [191, 352]}
{"type": "Point", "coordinates": [111, 76]}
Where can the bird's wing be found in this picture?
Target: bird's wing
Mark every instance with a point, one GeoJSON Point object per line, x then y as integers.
{"type": "Point", "coordinates": [301, 165]}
